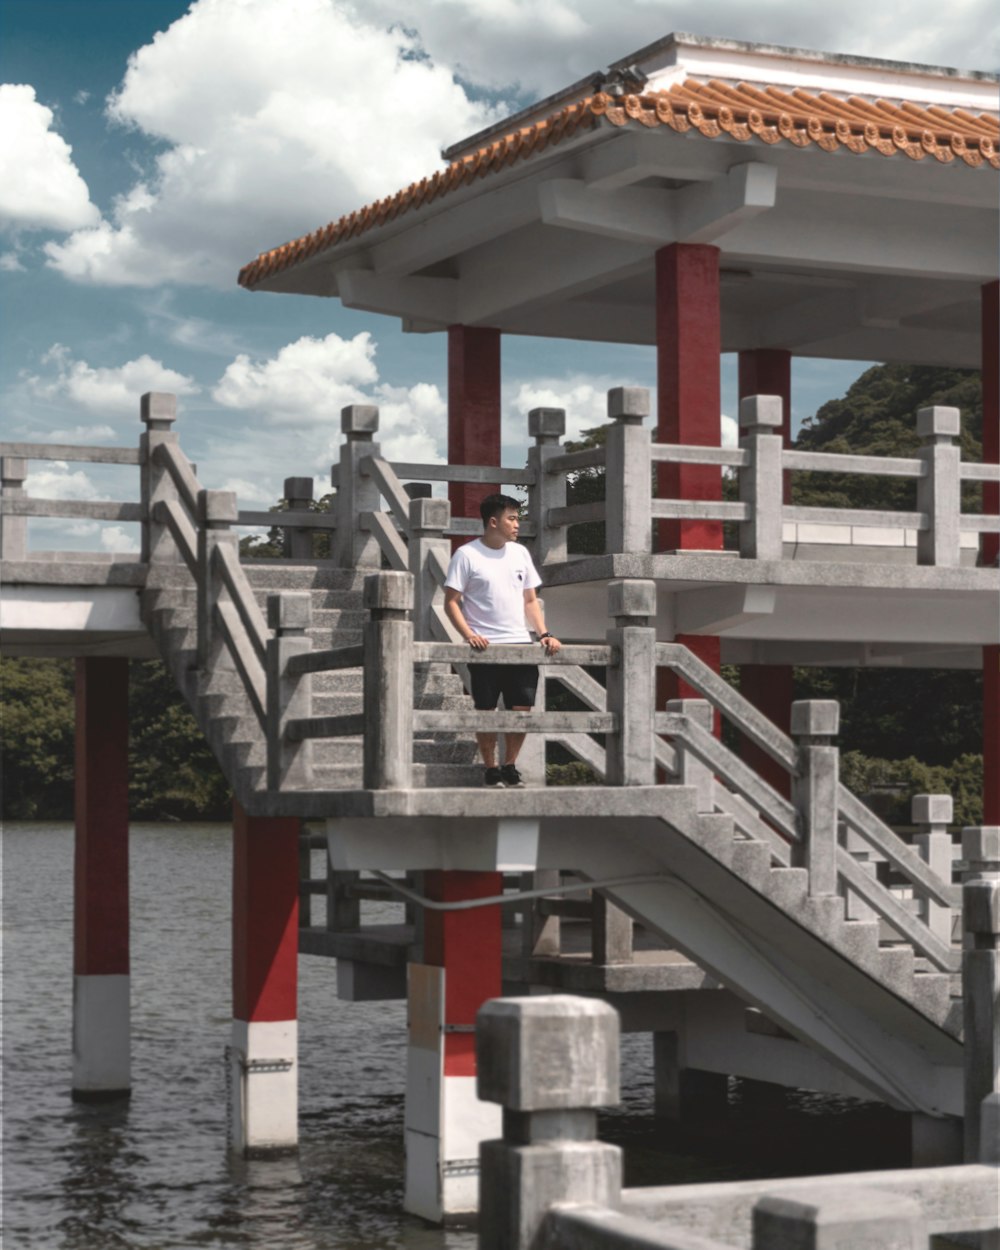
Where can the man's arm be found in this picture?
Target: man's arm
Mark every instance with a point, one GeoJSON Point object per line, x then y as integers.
{"type": "Point", "coordinates": [454, 613]}
{"type": "Point", "coordinates": [536, 621]}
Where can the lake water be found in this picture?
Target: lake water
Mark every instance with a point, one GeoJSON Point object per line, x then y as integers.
{"type": "Point", "coordinates": [154, 1173]}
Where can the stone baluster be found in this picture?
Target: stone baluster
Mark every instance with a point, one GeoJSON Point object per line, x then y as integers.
{"type": "Point", "coordinates": [611, 931]}
{"type": "Point", "coordinates": [217, 514]}
{"type": "Point", "coordinates": [354, 547]}
{"type": "Point", "coordinates": [628, 482]}
{"type": "Point", "coordinates": [158, 411]}
{"type": "Point", "coordinates": [540, 934]}
{"type": "Point", "coordinates": [689, 769]}
{"type": "Point", "coordinates": [298, 544]}
{"type": "Point", "coordinates": [939, 490]}
{"type": "Point", "coordinates": [815, 723]}
{"type": "Point", "coordinates": [429, 518]}
{"type": "Point", "coordinates": [980, 976]}
{"type": "Point", "coordinates": [289, 764]}
{"type": "Point", "coordinates": [546, 426]}
{"type": "Point", "coordinates": [388, 678]}
{"type": "Point", "coordinates": [13, 529]}
{"type": "Point", "coordinates": [631, 759]}
{"type": "Point", "coordinates": [550, 1061]}
{"type": "Point", "coordinates": [760, 482]}
{"type": "Point", "coordinates": [861, 852]}
{"type": "Point", "coordinates": [839, 1219]}
{"type": "Point", "coordinates": [932, 814]}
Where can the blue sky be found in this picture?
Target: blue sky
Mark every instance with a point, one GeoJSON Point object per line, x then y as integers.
{"type": "Point", "coordinates": [148, 148]}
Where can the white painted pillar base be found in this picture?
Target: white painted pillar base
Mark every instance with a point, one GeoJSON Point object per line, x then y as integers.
{"type": "Point", "coordinates": [263, 1087]}
{"type": "Point", "coordinates": [102, 1047]}
{"type": "Point", "coordinates": [445, 1121]}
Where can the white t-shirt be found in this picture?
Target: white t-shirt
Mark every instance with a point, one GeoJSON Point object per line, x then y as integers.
{"type": "Point", "coordinates": [492, 583]}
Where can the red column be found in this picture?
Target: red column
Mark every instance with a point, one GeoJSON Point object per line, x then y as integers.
{"type": "Point", "coordinates": [769, 687]}
{"type": "Point", "coordinates": [991, 548]}
{"type": "Point", "coordinates": [473, 409]}
{"type": "Point", "coordinates": [101, 1047]}
{"type": "Point", "coordinates": [689, 399]}
{"type": "Point", "coordinates": [264, 1050]}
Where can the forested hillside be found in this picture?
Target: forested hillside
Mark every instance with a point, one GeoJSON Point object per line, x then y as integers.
{"type": "Point", "coordinates": [915, 730]}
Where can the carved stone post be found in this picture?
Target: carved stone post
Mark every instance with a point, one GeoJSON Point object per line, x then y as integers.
{"type": "Point", "coordinates": [939, 490]}
{"type": "Point", "coordinates": [932, 813]}
{"type": "Point", "coordinates": [690, 770]}
{"type": "Point", "coordinates": [158, 411]}
{"type": "Point", "coordinates": [356, 494]}
{"type": "Point", "coordinates": [815, 723]}
{"type": "Point", "coordinates": [760, 483]}
{"type": "Point", "coordinates": [862, 1219]}
{"type": "Point", "coordinates": [631, 758]}
{"type": "Point", "coordinates": [980, 975]}
{"type": "Point", "coordinates": [298, 495]}
{"type": "Point", "coordinates": [550, 1061]}
{"type": "Point", "coordinates": [388, 677]}
{"type": "Point", "coordinates": [628, 484]}
{"type": "Point", "coordinates": [217, 513]}
{"type": "Point", "coordinates": [13, 529]}
{"type": "Point", "coordinates": [610, 933]}
{"type": "Point", "coordinates": [429, 518]}
{"type": "Point", "coordinates": [289, 764]}
{"type": "Point", "coordinates": [546, 426]}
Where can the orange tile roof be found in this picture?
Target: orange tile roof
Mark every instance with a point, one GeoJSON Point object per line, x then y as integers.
{"type": "Point", "coordinates": [743, 112]}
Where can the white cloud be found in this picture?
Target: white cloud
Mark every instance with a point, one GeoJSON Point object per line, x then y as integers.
{"type": "Point", "coordinates": [279, 117]}
{"type": "Point", "coordinates": [57, 481]}
{"type": "Point", "coordinates": [40, 187]}
{"type": "Point", "coordinates": [10, 262]}
{"type": "Point", "coordinates": [78, 434]}
{"type": "Point", "coordinates": [115, 539]}
{"type": "Point", "coordinates": [584, 399]}
{"type": "Point", "coordinates": [102, 390]}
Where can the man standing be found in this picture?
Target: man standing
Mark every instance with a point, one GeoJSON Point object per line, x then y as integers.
{"type": "Point", "coordinates": [490, 597]}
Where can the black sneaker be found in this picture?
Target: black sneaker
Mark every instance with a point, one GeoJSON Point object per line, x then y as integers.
{"type": "Point", "coordinates": [493, 778]}
{"type": "Point", "coordinates": [511, 777]}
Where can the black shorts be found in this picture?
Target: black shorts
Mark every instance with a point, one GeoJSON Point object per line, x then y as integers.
{"type": "Point", "coordinates": [516, 682]}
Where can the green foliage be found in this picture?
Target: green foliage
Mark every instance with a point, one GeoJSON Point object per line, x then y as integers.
{"type": "Point", "coordinates": [575, 773]}
{"type": "Point", "coordinates": [272, 546]}
{"type": "Point", "coordinates": [889, 785]}
{"type": "Point", "coordinates": [38, 713]}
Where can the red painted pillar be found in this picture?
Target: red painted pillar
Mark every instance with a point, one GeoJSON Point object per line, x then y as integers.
{"type": "Point", "coordinates": [101, 1004]}
{"type": "Point", "coordinates": [473, 409]}
{"type": "Point", "coordinates": [264, 1049]}
{"type": "Point", "coordinates": [991, 735]}
{"type": "Point", "coordinates": [991, 548]}
{"type": "Point", "coordinates": [689, 398]}
{"type": "Point", "coordinates": [769, 687]}
{"type": "Point", "coordinates": [445, 1121]}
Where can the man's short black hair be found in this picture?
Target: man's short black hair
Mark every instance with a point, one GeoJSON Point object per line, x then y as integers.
{"type": "Point", "coordinates": [496, 505]}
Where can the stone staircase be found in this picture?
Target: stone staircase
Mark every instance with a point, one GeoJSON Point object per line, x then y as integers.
{"type": "Point", "coordinates": [223, 710]}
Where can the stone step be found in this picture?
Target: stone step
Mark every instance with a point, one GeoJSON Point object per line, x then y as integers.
{"type": "Point", "coordinates": [787, 887]}
{"type": "Point", "coordinates": [274, 575]}
{"type": "Point", "coordinates": [751, 861]}
{"type": "Point", "coordinates": [895, 964]}
{"type": "Point", "coordinates": [932, 994]}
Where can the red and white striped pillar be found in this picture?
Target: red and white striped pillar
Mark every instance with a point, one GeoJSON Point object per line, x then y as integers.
{"type": "Point", "coordinates": [689, 400]}
{"type": "Point", "coordinates": [769, 687]}
{"type": "Point", "coordinates": [991, 548]}
{"type": "Point", "coordinates": [101, 1005]}
{"type": "Point", "coordinates": [263, 1055]}
{"type": "Point", "coordinates": [473, 409]}
{"type": "Point", "coordinates": [445, 1121]}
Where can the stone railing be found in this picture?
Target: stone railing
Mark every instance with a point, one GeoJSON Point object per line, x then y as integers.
{"type": "Point", "coordinates": [549, 1183]}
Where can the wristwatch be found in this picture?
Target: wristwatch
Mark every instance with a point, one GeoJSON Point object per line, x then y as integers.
{"type": "Point", "coordinates": [542, 637]}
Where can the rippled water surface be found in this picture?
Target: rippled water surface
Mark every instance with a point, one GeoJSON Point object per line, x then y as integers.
{"type": "Point", "coordinates": [154, 1173]}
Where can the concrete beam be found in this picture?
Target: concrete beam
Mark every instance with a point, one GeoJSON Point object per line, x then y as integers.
{"type": "Point", "coordinates": [431, 299]}
{"type": "Point", "coordinates": [720, 608]}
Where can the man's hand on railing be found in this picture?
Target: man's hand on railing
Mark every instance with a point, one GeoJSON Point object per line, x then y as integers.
{"type": "Point", "coordinates": [550, 642]}
{"type": "Point", "coordinates": [477, 642]}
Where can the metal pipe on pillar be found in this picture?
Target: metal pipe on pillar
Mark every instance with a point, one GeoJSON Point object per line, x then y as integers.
{"type": "Point", "coordinates": [101, 999]}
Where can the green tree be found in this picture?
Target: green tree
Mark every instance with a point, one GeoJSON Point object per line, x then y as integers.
{"type": "Point", "coordinates": [38, 713]}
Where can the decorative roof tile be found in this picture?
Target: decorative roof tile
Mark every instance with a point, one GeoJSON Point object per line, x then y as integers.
{"type": "Point", "coordinates": [745, 112]}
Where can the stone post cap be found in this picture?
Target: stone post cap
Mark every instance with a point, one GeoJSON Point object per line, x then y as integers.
{"type": "Point", "coordinates": [553, 1052]}
{"type": "Point", "coordinates": [981, 844]}
{"type": "Point", "coordinates": [359, 420]}
{"type": "Point", "coordinates": [761, 414]}
{"type": "Point", "coordinates": [932, 809]}
{"type": "Point", "coordinates": [632, 597]}
{"type": "Point", "coordinates": [297, 488]}
{"type": "Point", "coordinates": [628, 403]}
{"type": "Point", "coordinates": [989, 1129]}
{"type": "Point", "coordinates": [699, 710]}
{"type": "Point", "coordinates": [839, 1217]}
{"type": "Point", "coordinates": [547, 423]}
{"type": "Point", "coordinates": [417, 490]}
{"type": "Point", "coordinates": [289, 610]}
{"type": "Point", "coordinates": [13, 469]}
{"type": "Point", "coordinates": [815, 718]}
{"type": "Point", "coordinates": [217, 507]}
{"type": "Point", "coordinates": [158, 409]}
{"type": "Point", "coordinates": [430, 514]}
{"type": "Point", "coordinates": [939, 422]}
{"type": "Point", "coordinates": [388, 592]}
